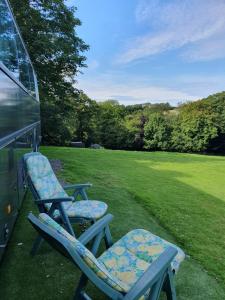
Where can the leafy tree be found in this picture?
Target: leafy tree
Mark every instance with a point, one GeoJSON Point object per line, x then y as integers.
{"type": "Point", "coordinates": [214, 105]}
{"type": "Point", "coordinates": [112, 102]}
{"type": "Point", "coordinates": [49, 30]}
{"type": "Point", "coordinates": [157, 107]}
{"type": "Point", "coordinates": [87, 115]}
{"type": "Point", "coordinates": [148, 108]}
{"type": "Point", "coordinates": [112, 132]}
{"type": "Point", "coordinates": [135, 126]}
{"type": "Point", "coordinates": [193, 130]}
{"type": "Point", "coordinates": [157, 132]}
{"type": "Point", "coordinates": [192, 127]}
{"type": "Point", "coordinates": [130, 109]}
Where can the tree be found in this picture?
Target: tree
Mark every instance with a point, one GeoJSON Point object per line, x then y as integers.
{"type": "Point", "coordinates": [49, 30]}
{"type": "Point", "coordinates": [157, 132]}
{"type": "Point", "coordinates": [87, 115]}
{"type": "Point", "coordinates": [135, 125]}
{"type": "Point", "coordinates": [193, 130]}
{"type": "Point", "coordinates": [112, 132]}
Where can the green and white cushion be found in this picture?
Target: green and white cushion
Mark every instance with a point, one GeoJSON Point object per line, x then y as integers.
{"type": "Point", "coordinates": [48, 187]}
{"type": "Point", "coordinates": [89, 209]}
{"type": "Point", "coordinates": [43, 177]}
{"type": "Point", "coordinates": [125, 262]}
{"type": "Point", "coordinates": [131, 256]}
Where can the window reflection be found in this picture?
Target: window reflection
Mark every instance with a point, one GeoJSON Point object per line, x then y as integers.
{"type": "Point", "coordinates": [32, 80]}
{"type": "Point", "coordinates": [8, 51]}
{"type": "Point", "coordinates": [23, 64]}
{"type": "Point", "coordinates": [12, 51]}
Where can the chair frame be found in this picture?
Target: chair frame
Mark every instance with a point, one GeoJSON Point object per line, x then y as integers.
{"type": "Point", "coordinates": [64, 219]}
{"type": "Point", "coordinates": [158, 277]}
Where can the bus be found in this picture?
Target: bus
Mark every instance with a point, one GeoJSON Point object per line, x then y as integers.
{"type": "Point", "coordinates": [19, 119]}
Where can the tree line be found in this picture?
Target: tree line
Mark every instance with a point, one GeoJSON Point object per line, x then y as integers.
{"type": "Point", "coordinates": [191, 127]}
{"type": "Point", "coordinates": [49, 29]}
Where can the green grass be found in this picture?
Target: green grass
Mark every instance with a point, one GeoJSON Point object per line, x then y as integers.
{"type": "Point", "coordinates": [180, 197]}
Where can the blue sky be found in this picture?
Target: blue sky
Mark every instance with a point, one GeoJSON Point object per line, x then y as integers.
{"type": "Point", "coordinates": [152, 50]}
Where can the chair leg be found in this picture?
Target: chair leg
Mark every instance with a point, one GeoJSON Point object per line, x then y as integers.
{"type": "Point", "coordinates": [156, 289]}
{"type": "Point", "coordinates": [85, 296]}
{"type": "Point", "coordinates": [36, 245]}
{"type": "Point", "coordinates": [79, 293]}
{"type": "Point", "coordinates": [169, 287]}
{"type": "Point", "coordinates": [96, 243]}
{"type": "Point", "coordinates": [83, 194]}
{"type": "Point", "coordinates": [38, 241]}
{"type": "Point", "coordinates": [108, 238]}
{"type": "Point", "coordinates": [66, 220]}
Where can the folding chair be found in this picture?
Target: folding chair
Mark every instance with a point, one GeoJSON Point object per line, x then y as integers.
{"type": "Point", "coordinates": [138, 266]}
{"type": "Point", "coordinates": [51, 197]}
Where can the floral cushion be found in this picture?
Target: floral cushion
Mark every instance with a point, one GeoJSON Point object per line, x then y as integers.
{"type": "Point", "coordinates": [148, 246]}
{"type": "Point", "coordinates": [129, 258]}
{"type": "Point", "coordinates": [96, 266]}
{"type": "Point", "coordinates": [125, 262]}
{"type": "Point", "coordinates": [48, 187]}
{"type": "Point", "coordinates": [90, 209]}
{"type": "Point", "coordinates": [43, 177]}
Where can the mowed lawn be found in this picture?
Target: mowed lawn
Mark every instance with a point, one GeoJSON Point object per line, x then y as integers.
{"type": "Point", "coordinates": [180, 197]}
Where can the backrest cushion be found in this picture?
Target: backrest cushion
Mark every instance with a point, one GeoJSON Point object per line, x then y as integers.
{"type": "Point", "coordinates": [43, 178]}
{"type": "Point", "coordinates": [97, 267]}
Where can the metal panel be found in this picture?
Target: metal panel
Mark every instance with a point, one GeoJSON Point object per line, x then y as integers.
{"type": "Point", "coordinates": [12, 182]}
{"type": "Point", "coordinates": [19, 119]}
{"type": "Point", "coordinates": [8, 194]}
{"type": "Point", "coordinates": [17, 108]}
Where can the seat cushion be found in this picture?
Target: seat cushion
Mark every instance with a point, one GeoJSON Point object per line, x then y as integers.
{"type": "Point", "coordinates": [90, 209]}
{"type": "Point", "coordinates": [43, 178]}
{"type": "Point", "coordinates": [147, 246]}
{"type": "Point", "coordinates": [128, 258]}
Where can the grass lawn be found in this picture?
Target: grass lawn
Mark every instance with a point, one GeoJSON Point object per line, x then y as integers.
{"type": "Point", "coordinates": [180, 197]}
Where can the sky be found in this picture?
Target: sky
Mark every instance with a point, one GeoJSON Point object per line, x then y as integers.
{"type": "Point", "coordinates": [152, 50]}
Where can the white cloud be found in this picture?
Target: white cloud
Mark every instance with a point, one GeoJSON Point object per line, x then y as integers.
{"type": "Point", "coordinates": [206, 50]}
{"type": "Point", "coordinates": [202, 85]}
{"type": "Point", "coordinates": [131, 91]}
{"type": "Point", "coordinates": [173, 24]}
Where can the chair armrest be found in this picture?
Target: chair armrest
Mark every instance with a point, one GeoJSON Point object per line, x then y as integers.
{"type": "Point", "coordinates": [95, 229]}
{"type": "Point", "coordinates": [77, 186]}
{"type": "Point", "coordinates": [152, 274]}
{"type": "Point", "coordinates": [54, 200]}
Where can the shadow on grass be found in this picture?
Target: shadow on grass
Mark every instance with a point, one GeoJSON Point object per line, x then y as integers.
{"type": "Point", "coordinates": [195, 218]}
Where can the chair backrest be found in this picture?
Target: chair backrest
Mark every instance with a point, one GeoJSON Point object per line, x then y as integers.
{"type": "Point", "coordinates": [42, 177]}
{"type": "Point", "coordinates": [70, 247]}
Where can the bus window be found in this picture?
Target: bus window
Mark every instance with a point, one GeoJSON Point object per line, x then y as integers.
{"type": "Point", "coordinates": [8, 49]}
{"type": "Point", "coordinates": [12, 51]}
